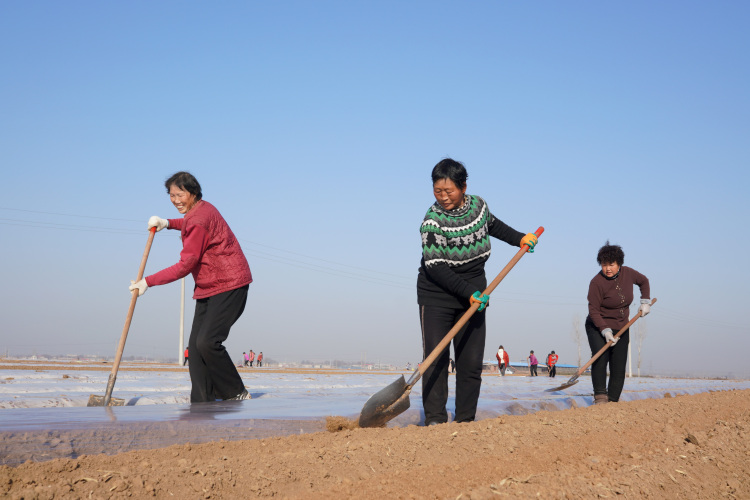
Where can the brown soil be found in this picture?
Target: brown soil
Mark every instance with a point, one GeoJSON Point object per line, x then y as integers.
{"type": "Point", "coordinates": [684, 447]}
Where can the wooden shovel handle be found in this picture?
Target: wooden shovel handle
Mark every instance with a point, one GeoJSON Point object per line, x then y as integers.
{"type": "Point", "coordinates": [608, 344]}
{"type": "Point", "coordinates": [128, 319]}
{"type": "Point", "coordinates": [468, 314]}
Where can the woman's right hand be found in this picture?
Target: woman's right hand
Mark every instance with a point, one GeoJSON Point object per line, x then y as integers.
{"type": "Point", "coordinates": [158, 223]}
{"type": "Point", "coordinates": [479, 298]}
{"type": "Point", "coordinates": [607, 334]}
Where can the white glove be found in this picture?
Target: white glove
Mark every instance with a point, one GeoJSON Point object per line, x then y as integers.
{"type": "Point", "coordinates": [645, 307]}
{"type": "Point", "coordinates": [607, 334]}
{"type": "Point", "coordinates": [141, 286]}
{"type": "Point", "coordinates": [158, 223]}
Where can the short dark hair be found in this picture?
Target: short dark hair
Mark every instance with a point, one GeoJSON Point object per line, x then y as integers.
{"type": "Point", "coordinates": [609, 254]}
{"type": "Point", "coordinates": [449, 168]}
{"type": "Point", "coordinates": [185, 181]}
{"type": "Point", "coordinates": [500, 347]}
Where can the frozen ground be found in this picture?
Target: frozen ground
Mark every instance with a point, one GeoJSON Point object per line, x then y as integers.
{"type": "Point", "coordinates": [44, 413]}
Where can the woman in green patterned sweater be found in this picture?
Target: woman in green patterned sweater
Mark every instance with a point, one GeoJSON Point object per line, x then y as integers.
{"type": "Point", "coordinates": [455, 245]}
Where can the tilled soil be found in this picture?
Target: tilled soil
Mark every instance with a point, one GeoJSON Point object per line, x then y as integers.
{"type": "Point", "coordinates": [683, 447]}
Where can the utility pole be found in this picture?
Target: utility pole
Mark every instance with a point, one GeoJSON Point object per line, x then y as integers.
{"type": "Point", "coordinates": [181, 355]}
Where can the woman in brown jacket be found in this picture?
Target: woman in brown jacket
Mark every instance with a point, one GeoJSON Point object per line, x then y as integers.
{"type": "Point", "coordinates": [610, 296]}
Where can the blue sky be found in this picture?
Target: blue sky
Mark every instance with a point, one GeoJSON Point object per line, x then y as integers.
{"type": "Point", "coordinates": [313, 128]}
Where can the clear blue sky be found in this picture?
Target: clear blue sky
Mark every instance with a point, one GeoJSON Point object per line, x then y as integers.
{"type": "Point", "coordinates": [313, 128]}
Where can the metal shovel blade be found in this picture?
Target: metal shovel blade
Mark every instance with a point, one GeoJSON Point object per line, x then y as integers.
{"type": "Point", "coordinates": [571, 382]}
{"type": "Point", "coordinates": [95, 400]}
{"type": "Point", "coordinates": [386, 404]}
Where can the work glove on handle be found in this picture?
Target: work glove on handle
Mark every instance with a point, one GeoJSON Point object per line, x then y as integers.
{"type": "Point", "coordinates": [141, 286]}
{"type": "Point", "coordinates": [158, 223]}
{"type": "Point", "coordinates": [607, 334]}
{"type": "Point", "coordinates": [645, 307]}
{"type": "Point", "coordinates": [483, 300]}
{"type": "Point", "coordinates": [530, 240]}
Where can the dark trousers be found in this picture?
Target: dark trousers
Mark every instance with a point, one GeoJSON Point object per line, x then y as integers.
{"type": "Point", "coordinates": [468, 346]}
{"type": "Point", "coordinates": [553, 370]}
{"type": "Point", "coordinates": [212, 372]}
{"type": "Point", "coordinates": [502, 369]}
{"type": "Point", "coordinates": [616, 357]}
{"type": "Point", "coordinates": [532, 369]}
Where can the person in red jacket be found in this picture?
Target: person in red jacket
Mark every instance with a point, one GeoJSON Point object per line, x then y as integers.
{"type": "Point", "coordinates": [260, 359]}
{"type": "Point", "coordinates": [222, 276]}
{"type": "Point", "coordinates": [252, 357]}
{"type": "Point", "coordinates": [503, 360]}
{"type": "Point", "coordinates": [551, 362]}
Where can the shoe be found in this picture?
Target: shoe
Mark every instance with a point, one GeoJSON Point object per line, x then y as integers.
{"type": "Point", "coordinates": [243, 395]}
{"type": "Point", "coordinates": [600, 399]}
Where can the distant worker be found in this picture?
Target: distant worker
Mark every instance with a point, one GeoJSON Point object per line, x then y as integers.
{"type": "Point", "coordinates": [252, 357]}
{"type": "Point", "coordinates": [533, 362]}
{"type": "Point", "coordinates": [456, 233]}
{"type": "Point", "coordinates": [260, 359]}
{"type": "Point", "coordinates": [551, 364]}
{"type": "Point", "coordinates": [247, 358]}
{"type": "Point", "coordinates": [610, 296]}
{"type": "Point", "coordinates": [503, 360]}
{"type": "Point", "coordinates": [186, 357]}
{"type": "Point", "coordinates": [211, 252]}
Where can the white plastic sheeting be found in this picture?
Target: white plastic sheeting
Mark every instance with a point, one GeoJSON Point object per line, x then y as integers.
{"type": "Point", "coordinates": [45, 415]}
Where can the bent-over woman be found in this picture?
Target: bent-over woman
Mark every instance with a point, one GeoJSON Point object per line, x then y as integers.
{"type": "Point", "coordinates": [610, 296]}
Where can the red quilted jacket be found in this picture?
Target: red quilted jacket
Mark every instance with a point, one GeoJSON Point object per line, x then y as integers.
{"type": "Point", "coordinates": [210, 252]}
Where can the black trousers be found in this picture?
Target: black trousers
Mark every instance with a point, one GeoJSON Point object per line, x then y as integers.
{"type": "Point", "coordinates": [532, 369]}
{"type": "Point", "coordinates": [616, 357]}
{"type": "Point", "coordinates": [468, 347]}
{"type": "Point", "coordinates": [212, 372]}
{"type": "Point", "coordinates": [553, 370]}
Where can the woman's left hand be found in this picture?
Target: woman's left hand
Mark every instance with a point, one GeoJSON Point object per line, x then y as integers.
{"type": "Point", "coordinates": [645, 307]}
{"type": "Point", "coordinates": [530, 240]}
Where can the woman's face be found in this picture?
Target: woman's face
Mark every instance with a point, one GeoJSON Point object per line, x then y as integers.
{"type": "Point", "coordinates": [182, 200]}
{"type": "Point", "coordinates": [610, 269]}
{"type": "Point", "coordinates": [448, 194]}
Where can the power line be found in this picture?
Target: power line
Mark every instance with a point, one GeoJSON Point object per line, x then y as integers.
{"type": "Point", "coordinates": [66, 227]}
{"type": "Point", "coordinates": [67, 215]}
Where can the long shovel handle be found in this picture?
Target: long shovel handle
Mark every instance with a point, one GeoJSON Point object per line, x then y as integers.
{"type": "Point", "coordinates": [468, 314]}
{"type": "Point", "coordinates": [609, 344]}
{"type": "Point", "coordinates": [128, 319]}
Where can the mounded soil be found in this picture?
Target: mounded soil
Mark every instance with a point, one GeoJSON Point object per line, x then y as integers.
{"type": "Point", "coordinates": [683, 447]}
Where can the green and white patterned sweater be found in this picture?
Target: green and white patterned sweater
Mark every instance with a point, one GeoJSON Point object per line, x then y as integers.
{"type": "Point", "coordinates": [455, 246]}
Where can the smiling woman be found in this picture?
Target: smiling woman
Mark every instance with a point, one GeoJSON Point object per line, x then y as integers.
{"type": "Point", "coordinates": [455, 245]}
{"type": "Point", "coordinates": [222, 275]}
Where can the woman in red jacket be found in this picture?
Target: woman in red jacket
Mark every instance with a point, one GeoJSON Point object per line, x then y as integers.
{"type": "Point", "coordinates": [213, 255]}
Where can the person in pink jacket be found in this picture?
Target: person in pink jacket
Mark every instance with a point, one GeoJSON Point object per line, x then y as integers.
{"type": "Point", "coordinates": [212, 254]}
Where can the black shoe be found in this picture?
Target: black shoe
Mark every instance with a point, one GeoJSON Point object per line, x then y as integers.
{"type": "Point", "coordinates": [243, 395]}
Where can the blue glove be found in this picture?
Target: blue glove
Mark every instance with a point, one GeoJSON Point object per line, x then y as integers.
{"type": "Point", "coordinates": [483, 300]}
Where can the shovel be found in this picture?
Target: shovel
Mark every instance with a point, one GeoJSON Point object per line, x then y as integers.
{"type": "Point", "coordinates": [107, 399]}
{"type": "Point", "coordinates": [574, 379]}
{"type": "Point", "coordinates": [392, 401]}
